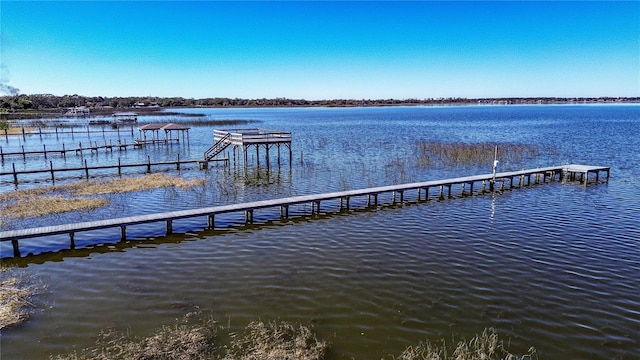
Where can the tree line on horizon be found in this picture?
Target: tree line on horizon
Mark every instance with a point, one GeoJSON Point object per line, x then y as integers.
{"type": "Point", "coordinates": [53, 102]}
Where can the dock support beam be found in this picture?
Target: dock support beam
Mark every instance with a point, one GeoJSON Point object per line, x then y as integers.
{"type": "Point", "coordinates": [16, 248]}
{"type": "Point", "coordinates": [72, 241]}
{"type": "Point", "coordinates": [284, 211]}
{"type": "Point", "coordinates": [169, 227]}
{"type": "Point", "coordinates": [123, 233]}
{"type": "Point", "coordinates": [211, 220]}
{"type": "Point", "coordinates": [375, 200]}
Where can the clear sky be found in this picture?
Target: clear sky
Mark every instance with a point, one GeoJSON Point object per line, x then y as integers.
{"type": "Point", "coordinates": [322, 50]}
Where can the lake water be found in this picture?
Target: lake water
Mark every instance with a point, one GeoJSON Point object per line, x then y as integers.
{"type": "Point", "coordinates": [554, 266]}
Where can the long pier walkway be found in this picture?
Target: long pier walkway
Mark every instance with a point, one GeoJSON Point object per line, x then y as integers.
{"type": "Point", "coordinates": [487, 182]}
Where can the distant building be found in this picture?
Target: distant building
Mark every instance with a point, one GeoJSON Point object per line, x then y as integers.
{"type": "Point", "coordinates": [78, 111]}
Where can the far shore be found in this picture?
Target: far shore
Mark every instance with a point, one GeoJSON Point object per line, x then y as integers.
{"type": "Point", "coordinates": [23, 107]}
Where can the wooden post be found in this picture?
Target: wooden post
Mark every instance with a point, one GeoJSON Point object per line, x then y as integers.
{"type": "Point", "coordinates": [471, 188]}
{"type": "Point", "coordinates": [284, 211]}
{"type": "Point", "coordinates": [401, 196]}
{"type": "Point", "coordinates": [24, 156]}
{"type": "Point", "coordinates": [148, 163]}
{"type": "Point", "coordinates": [53, 179]}
{"type": "Point", "coordinates": [278, 146]}
{"type": "Point", "coordinates": [15, 174]}
{"type": "Point", "coordinates": [64, 151]}
{"type": "Point", "coordinates": [72, 241]}
{"type": "Point", "coordinates": [119, 167]}
{"type": "Point", "coordinates": [123, 233]}
{"type": "Point", "coordinates": [1, 154]}
{"type": "Point", "coordinates": [267, 154]}
{"type": "Point", "coordinates": [44, 150]}
{"type": "Point", "coordinates": [169, 227]}
{"type": "Point", "coordinates": [258, 154]}
{"type": "Point", "coordinates": [449, 190]}
{"type": "Point", "coordinates": [86, 169]}
{"type": "Point", "coordinates": [211, 221]}
{"type": "Point", "coordinates": [16, 248]}
{"type": "Point", "coordinates": [178, 163]}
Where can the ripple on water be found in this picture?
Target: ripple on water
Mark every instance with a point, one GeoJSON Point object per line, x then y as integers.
{"type": "Point", "coordinates": [389, 277]}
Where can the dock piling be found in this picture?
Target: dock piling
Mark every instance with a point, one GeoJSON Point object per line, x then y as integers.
{"type": "Point", "coordinates": [16, 248]}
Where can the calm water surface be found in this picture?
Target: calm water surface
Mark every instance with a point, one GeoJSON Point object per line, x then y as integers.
{"type": "Point", "coordinates": [554, 266]}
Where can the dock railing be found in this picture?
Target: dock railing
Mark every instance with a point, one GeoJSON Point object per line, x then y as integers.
{"type": "Point", "coordinates": [252, 136]}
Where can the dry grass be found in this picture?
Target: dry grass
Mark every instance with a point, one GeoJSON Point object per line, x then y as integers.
{"type": "Point", "coordinates": [276, 341]}
{"type": "Point", "coordinates": [147, 182]}
{"type": "Point", "coordinates": [43, 205]}
{"type": "Point", "coordinates": [17, 131]}
{"type": "Point", "coordinates": [185, 340]}
{"type": "Point", "coordinates": [189, 339]}
{"type": "Point", "coordinates": [40, 201]}
{"type": "Point", "coordinates": [21, 194]}
{"type": "Point", "coordinates": [485, 346]}
{"type": "Point", "coordinates": [16, 292]}
{"type": "Point", "coordinates": [110, 186]}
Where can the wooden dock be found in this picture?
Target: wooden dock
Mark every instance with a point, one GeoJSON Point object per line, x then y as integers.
{"type": "Point", "coordinates": [52, 171]}
{"type": "Point", "coordinates": [486, 183]}
{"type": "Point", "coordinates": [242, 139]}
{"type": "Point", "coordinates": [79, 150]}
{"type": "Point", "coordinates": [57, 132]}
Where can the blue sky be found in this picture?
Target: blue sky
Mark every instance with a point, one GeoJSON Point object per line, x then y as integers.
{"type": "Point", "coordinates": [322, 50]}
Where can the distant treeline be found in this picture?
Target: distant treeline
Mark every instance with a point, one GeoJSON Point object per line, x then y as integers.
{"type": "Point", "coordinates": [49, 102]}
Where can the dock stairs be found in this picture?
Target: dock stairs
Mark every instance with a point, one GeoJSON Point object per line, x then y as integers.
{"type": "Point", "coordinates": [217, 148]}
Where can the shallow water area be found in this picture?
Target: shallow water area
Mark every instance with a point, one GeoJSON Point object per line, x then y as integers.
{"type": "Point", "coordinates": [555, 266]}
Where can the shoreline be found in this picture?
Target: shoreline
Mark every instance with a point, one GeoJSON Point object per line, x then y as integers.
{"type": "Point", "coordinates": [34, 107]}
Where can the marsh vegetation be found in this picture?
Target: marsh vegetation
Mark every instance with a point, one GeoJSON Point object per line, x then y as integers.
{"type": "Point", "coordinates": [195, 337]}
{"type": "Point", "coordinates": [16, 294]}
{"type": "Point", "coordinates": [80, 195]}
{"type": "Point", "coordinates": [449, 154]}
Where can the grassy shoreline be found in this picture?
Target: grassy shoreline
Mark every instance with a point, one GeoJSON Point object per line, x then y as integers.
{"type": "Point", "coordinates": [80, 195]}
{"type": "Point", "coordinates": [198, 337]}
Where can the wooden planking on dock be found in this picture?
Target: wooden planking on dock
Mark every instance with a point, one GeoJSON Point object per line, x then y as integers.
{"type": "Point", "coordinates": [315, 199]}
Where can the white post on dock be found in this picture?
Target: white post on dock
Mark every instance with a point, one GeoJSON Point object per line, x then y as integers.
{"type": "Point", "coordinates": [495, 167]}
